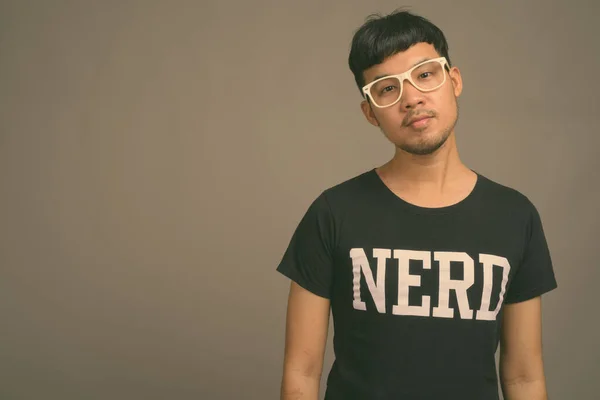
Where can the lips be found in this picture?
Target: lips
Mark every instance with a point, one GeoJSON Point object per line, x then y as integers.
{"type": "Point", "coordinates": [417, 119]}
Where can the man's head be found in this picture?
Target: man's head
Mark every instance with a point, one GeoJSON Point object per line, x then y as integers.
{"type": "Point", "coordinates": [391, 45]}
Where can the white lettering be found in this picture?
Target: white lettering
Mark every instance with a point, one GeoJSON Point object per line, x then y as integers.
{"type": "Point", "coordinates": [459, 286]}
{"type": "Point", "coordinates": [377, 290]}
{"type": "Point", "coordinates": [376, 286]}
{"type": "Point", "coordinates": [489, 261]}
{"type": "Point", "coordinates": [405, 280]}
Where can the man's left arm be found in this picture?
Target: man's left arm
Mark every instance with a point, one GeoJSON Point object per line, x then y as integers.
{"type": "Point", "coordinates": [521, 366]}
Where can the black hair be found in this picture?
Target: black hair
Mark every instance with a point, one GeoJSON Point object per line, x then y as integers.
{"type": "Point", "coordinates": [383, 36]}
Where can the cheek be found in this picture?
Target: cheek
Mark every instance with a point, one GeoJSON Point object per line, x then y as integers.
{"type": "Point", "coordinates": [390, 121]}
{"type": "Point", "coordinates": [448, 107]}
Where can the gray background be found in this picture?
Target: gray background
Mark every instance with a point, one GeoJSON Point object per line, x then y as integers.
{"type": "Point", "coordinates": [155, 158]}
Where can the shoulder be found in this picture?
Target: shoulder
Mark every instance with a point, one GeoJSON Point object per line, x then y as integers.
{"type": "Point", "coordinates": [504, 197]}
{"type": "Point", "coordinates": [343, 198]}
{"type": "Point", "coordinates": [350, 189]}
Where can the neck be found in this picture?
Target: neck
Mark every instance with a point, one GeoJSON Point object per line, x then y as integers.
{"type": "Point", "coordinates": [433, 172]}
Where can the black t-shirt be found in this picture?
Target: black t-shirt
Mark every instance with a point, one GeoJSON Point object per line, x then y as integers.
{"type": "Point", "coordinates": [417, 293]}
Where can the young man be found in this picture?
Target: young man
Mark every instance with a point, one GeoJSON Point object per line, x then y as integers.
{"type": "Point", "coordinates": [425, 264]}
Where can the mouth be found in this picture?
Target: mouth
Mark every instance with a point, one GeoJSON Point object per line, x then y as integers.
{"type": "Point", "coordinates": [419, 122]}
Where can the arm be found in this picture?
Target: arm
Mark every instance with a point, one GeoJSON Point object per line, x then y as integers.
{"type": "Point", "coordinates": [521, 366]}
{"type": "Point", "coordinates": [307, 323]}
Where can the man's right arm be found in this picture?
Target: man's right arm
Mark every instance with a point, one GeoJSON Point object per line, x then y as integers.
{"type": "Point", "coordinates": [307, 323]}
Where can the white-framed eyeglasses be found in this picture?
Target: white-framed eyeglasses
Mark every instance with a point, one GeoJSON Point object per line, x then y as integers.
{"type": "Point", "coordinates": [426, 76]}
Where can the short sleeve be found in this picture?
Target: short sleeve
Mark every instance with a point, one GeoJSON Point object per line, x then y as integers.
{"type": "Point", "coordinates": [535, 274]}
{"type": "Point", "coordinates": [308, 259]}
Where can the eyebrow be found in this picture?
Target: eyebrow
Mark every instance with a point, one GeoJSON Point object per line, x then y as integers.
{"type": "Point", "coordinates": [414, 64]}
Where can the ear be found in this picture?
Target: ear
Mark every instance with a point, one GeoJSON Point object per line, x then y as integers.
{"type": "Point", "coordinates": [456, 79]}
{"type": "Point", "coordinates": [368, 113]}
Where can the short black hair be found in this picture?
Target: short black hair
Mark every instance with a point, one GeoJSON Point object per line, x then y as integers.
{"type": "Point", "coordinates": [383, 36]}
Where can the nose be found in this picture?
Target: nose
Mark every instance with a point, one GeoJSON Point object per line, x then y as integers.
{"type": "Point", "coordinates": [411, 96]}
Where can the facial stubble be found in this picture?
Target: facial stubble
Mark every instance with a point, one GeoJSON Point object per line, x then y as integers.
{"type": "Point", "coordinates": [423, 148]}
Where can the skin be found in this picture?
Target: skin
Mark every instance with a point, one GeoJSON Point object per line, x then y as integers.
{"type": "Point", "coordinates": [521, 362]}
{"type": "Point", "coordinates": [426, 170]}
{"type": "Point", "coordinates": [441, 104]}
{"type": "Point", "coordinates": [307, 324]}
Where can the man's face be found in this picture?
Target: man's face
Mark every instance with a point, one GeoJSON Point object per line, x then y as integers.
{"type": "Point", "coordinates": [425, 136]}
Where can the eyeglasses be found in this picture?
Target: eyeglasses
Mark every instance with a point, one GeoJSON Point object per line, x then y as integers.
{"type": "Point", "coordinates": [426, 76]}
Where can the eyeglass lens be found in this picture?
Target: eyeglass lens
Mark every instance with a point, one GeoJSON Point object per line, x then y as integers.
{"type": "Point", "coordinates": [427, 76]}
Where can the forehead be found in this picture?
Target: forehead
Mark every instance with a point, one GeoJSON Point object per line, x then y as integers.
{"type": "Point", "coordinates": [401, 62]}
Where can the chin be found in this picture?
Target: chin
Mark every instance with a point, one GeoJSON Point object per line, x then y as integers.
{"type": "Point", "coordinates": [424, 147]}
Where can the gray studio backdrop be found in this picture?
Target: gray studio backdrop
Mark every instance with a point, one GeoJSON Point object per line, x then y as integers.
{"type": "Point", "coordinates": [155, 158]}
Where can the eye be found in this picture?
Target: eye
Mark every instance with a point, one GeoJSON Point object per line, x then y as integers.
{"type": "Point", "coordinates": [425, 75]}
{"type": "Point", "coordinates": [388, 89]}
